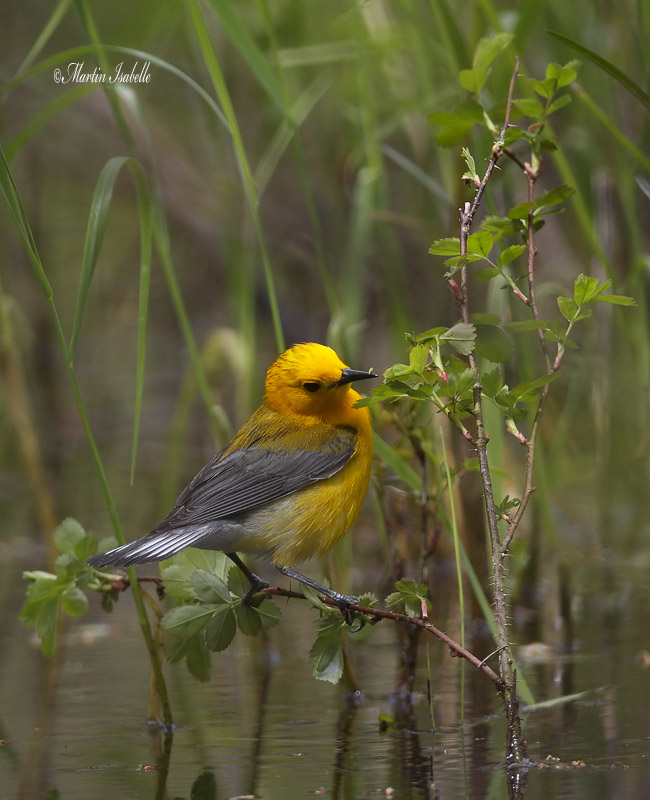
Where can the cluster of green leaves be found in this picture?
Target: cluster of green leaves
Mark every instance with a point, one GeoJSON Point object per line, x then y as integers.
{"type": "Point", "coordinates": [438, 371]}
{"type": "Point", "coordinates": [326, 654]}
{"type": "Point", "coordinates": [550, 98]}
{"type": "Point", "coordinates": [477, 108]}
{"type": "Point", "coordinates": [209, 609]}
{"type": "Point", "coordinates": [65, 590]}
{"type": "Point", "coordinates": [411, 596]}
{"type": "Point", "coordinates": [438, 374]}
{"type": "Point", "coordinates": [208, 592]}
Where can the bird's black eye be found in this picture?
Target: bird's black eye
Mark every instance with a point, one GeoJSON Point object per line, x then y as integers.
{"type": "Point", "coordinates": [311, 386]}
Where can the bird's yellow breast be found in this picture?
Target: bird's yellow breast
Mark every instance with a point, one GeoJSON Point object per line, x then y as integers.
{"type": "Point", "coordinates": [309, 522]}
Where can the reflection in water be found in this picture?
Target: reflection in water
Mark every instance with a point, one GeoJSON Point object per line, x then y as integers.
{"type": "Point", "coordinates": [343, 743]}
{"type": "Point", "coordinates": [264, 727]}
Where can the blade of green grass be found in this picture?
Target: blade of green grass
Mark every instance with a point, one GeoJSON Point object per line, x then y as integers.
{"type": "Point", "coordinates": [99, 208]}
{"type": "Point", "coordinates": [247, 47]}
{"type": "Point", "coordinates": [459, 570]}
{"type": "Point", "coordinates": [53, 22]}
{"type": "Point", "coordinates": [88, 23]}
{"type": "Point", "coordinates": [627, 83]}
{"type": "Point", "coordinates": [212, 63]}
{"type": "Point", "coordinates": [146, 222]}
{"type": "Point", "coordinates": [17, 211]}
{"type": "Point", "coordinates": [163, 248]}
{"type": "Point", "coordinates": [295, 115]}
{"type": "Point", "coordinates": [47, 113]}
{"type": "Point", "coordinates": [95, 231]}
{"type": "Point", "coordinates": [610, 127]}
{"type": "Point", "coordinates": [394, 460]}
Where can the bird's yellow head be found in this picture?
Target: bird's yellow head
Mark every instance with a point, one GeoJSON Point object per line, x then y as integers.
{"type": "Point", "coordinates": [311, 380]}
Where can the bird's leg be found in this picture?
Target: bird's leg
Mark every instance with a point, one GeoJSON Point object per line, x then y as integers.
{"type": "Point", "coordinates": [343, 601]}
{"type": "Point", "coordinates": [256, 583]}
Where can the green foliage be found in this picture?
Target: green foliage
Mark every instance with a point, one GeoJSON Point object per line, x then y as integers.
{"type": "Point", "coordinates": [410, 595]}
{"type": "Point", "coordinates": [326, 654]}
{"type": "Point", "coordinates": [65, 590]}
{"type": "Point", "coordinates": [209, 610]}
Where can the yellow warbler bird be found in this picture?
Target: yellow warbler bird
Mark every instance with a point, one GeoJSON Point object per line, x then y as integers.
{"type": "Point", "coordinates": [290, 483]}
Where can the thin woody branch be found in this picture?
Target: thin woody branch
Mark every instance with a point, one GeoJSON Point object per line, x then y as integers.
{"type": "Point", "coordinates": [377, 615]}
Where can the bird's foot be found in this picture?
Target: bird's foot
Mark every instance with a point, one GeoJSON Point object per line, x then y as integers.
{"type": "Point", "coordinates": [256, 585]}
{"type": "Point", "coordinates": [343, 603]}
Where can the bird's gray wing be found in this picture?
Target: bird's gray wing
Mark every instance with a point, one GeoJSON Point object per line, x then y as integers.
{"type": "Point", "coordinates": [250, 477]}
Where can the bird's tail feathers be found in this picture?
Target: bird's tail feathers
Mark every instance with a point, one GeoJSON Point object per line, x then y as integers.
{"type": "Point", "coordinates": [152, 547]}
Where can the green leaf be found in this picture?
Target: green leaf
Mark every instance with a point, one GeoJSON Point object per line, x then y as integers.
{"type": "Point", "coordinates": [459, 384]}
{"type": "Point", "coordinates": [178, 582]}
{"type": "Point", "coordinates": [175, 648]}
{"type": "Point", "coordinates": [418, 357]}
{"type": "Point", "coordinates": [545, 88]}
{"type": "Point", "coordinates": [213, 561]}
{"type": "Point", "coordinates": [461, 337]}
{"type": "Point", "coordinates": [325, 654]}
{"type": "Point", "coordinates": [333, 672]}
{"type": "Point", "coordinates": [493, 343]}
{"type": "Point", "coordinates": [520, 211]}
{"type": "Point", "coordinates": [568, 307]}
{"type": "Point", "coordinates": [68, 534]}
{"type": "Point", "coordinates": [315, 600]}
{"type": "Point", "coordinates": [510, 254]}
{"type": "Point", "coordinates": [480, 243]}
{"type": "Point", "coordinates": [468, 158]}
{"type": "Point", "coordinates": [472, 79]}
{"type": "Point", "coordinates": [615, 299]}
{"type": "Point", "coordinates": [74, 601]}
{"type": "Point", "coordinates": [445, 247]}
{"type": "Point", "coordinates": [238, 583]}
{"type": "Point", "coordinates": [586, 288]}
{"type": "Point", "coordinates": [563, 75]}
{"type": "Point", "coordinates": [489, 48]}
{"type": "Point", "coordinates": [500, 226]}
{"type": "Point", "coordinates": [556, 105]}
{"type": "Point", "coordinates": [187, 620]}
{"type": "Point", "coordinates": [270, 614]}
{"type": "Point", "coordinates": [198, 658]}
{"type": "Point", "coordinates": [248, 619]}
{"type": "Point", "coordinates": [86, 548]}
{"type": "Point", "coordinates": [209, 588]}
{"type": "Point", "coordinates": [221, 629]}
{"type": "Point", "coordinates": [486, 52]}
{"type": "Point", "coordinates": [507, 504]}
{"type": "Point", "coordinates": [492, 382]}
{"type": "Point", "coordinates": [527, 325]}
{"type": "Point", "coordinates": [530, 107]}
{"type": "Point", "coordinates": [557, 195]}
{"type": "Point", "coordinates": [513, 135]}
{"type": "Point", "coordinates": [530, 389]}
{"type": "Point", "coordinates": [46, 625]}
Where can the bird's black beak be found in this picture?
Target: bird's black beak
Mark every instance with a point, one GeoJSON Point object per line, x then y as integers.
{"type": "Point", "coordinates": [349, 375]}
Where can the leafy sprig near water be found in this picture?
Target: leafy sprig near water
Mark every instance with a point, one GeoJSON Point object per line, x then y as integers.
{"type": "Point", "coordinates": [65, 589]}
{"type": "Point", "coordinates": [210, 610]}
